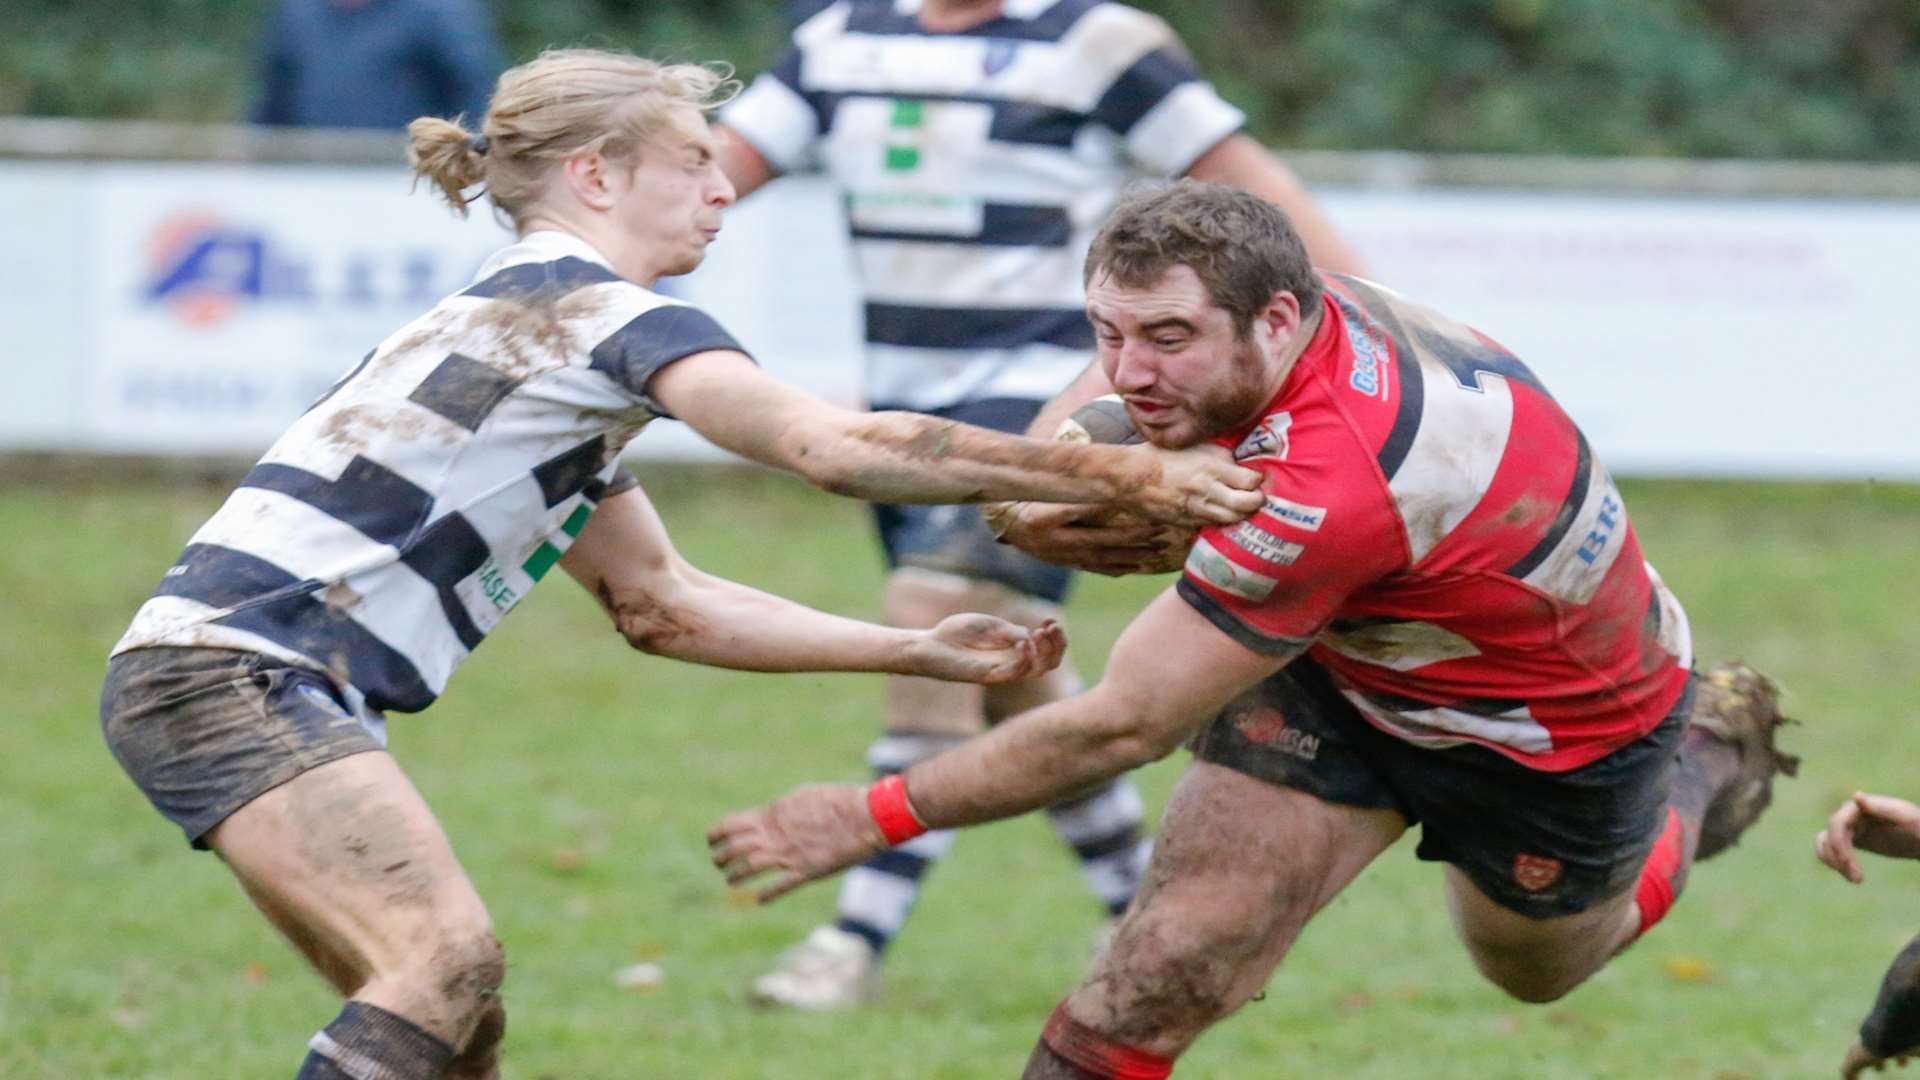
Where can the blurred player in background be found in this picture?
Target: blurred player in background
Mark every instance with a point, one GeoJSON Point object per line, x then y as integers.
{"type": "Point", "coordinates": [1441, 616]}
{"type": "Point", "coordinates": [376, 63]}
{"type": "Point", "coordinates": [1885, 826]}
{"type": "Point", "coordinates": [397, 522]}
{"type": "Point", "coordinates": [978, 143]}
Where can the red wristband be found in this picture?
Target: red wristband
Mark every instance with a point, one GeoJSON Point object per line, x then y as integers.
{"type": "Point", "coordinates": [887, 802]}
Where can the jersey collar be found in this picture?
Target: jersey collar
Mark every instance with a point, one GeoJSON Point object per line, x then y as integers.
{"type": "Point", "coordinates": [545, 245]}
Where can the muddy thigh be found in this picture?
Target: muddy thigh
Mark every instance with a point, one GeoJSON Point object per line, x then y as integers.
{"type": "Point", "coordinates": [1239, 867]}
{"type": "Point", "coordinates": [349, 863]}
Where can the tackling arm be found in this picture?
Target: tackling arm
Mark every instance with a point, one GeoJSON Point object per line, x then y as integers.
{"type": "Point", "coordinates": [1170, 673]}
{"type": "Point", "coordinates": [910, 458]}
{"type": "Point", "coordinates": [664, 605]}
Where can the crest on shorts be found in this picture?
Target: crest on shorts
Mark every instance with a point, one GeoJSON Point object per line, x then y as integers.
{"type": "Point", "coordinates": [1535, 872]}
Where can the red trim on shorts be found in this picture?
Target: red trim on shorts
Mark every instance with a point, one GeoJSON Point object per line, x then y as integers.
{"type": "Point", "coordinates": [1093, 1052]}
{"type": "Point", "coordinates": [1656, 891]}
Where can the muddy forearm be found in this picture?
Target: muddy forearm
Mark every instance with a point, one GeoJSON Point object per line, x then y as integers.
{"type": "Point", "coordinates": [721, 623]}
{"type": "Point", "coordinates": [908, 458]}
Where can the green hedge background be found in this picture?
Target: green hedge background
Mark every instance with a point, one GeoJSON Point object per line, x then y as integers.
{"type": "Point", "coordinates": [1829, 79]}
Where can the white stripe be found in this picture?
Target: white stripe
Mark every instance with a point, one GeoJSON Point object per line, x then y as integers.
{"type": "Point", "coordinates": [958, 163]}
{"type": "Point", "coordinates": [296, 537]}
{"type": "Point", "coordinates": [1676, 634]}
{"type": "Point", "coordinates": [1184, 125]}
{"type": "Point", "coordinates": [775, 121]}
{"type": "Point", "coordinates": [1118, 808]}
{"type": "Point", "coordinates": [877, 899]}
{"type": "Point", "coordinates": [1455, 454]}
{"type": "Point", "coordinates": [912, 378]}
{"type": "Point", "coordinates": [954, 275]}
{"type": "Point", "coordinates": [1438, 728]}
{"type": "Point", "coordinates": [1575, 568]}
{"type": "Point", "coordinates": [1400, 646]}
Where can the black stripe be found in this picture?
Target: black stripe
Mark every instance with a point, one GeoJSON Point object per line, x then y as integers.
{"type": "Point", "coordinates": [1050, 25]}
{"type": "Point", "coordinates": [387, 508]}
{"type": "Point", "coordinates": [1018, 123]}
{"type": "Point", "coordinates": [897, 863]}
{"type": "Point", "coordinates": [787, 73]}
{"type": "Point", "coordinates": [1562, 521]}
{"type": "Point", "coordinates": [463, 390]}
{"type": "Point", "coordinates": [1001, 224]}
{"type": "Point", "coordinates": [1650, 627]}
{"type": "Point", "coordinates": [1493, 708]}
{"type": "Point", "coordinates": [383, 505]}
{"type": "Point", "coordinates": [283, 609]}
{"type": "Point", "coordinates": [977, 328]}
{"type": "Point", "coordinates": [1142, 86]}
{"type": "Point", "coordinates": [1113, 843]}
{"type": "Point", "coordinates": [447, 553]}
{"type": "Point", "coordinates": [1229, 624]}
{"type": "Point", "coordinates": [654, 339]}
{"type": "Point", "coordinates": [1413, 388]}
{"type": "Point", "coordinates": [563, 476]}
{"type": "Point", "coordinates": [542, 282]}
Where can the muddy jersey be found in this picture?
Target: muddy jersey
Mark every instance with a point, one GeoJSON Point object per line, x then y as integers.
{"type": "Point", "coordinates": [1440, 537]}
{"type": "Point", "coordinates": [976, 165]}
{"type": "Point", "coordinates": [399, 519]}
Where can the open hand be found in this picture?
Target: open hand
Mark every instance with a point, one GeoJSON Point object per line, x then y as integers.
{"type": "Point", "coordinates": [984, 649]}
{"type": "Point", "coordinates": [1197, 486]}
{"type": "Point", "coordinates": [812, 832]}
{"type": "Point", "coordinates": [1877, 823]}
{"type": "Point", "coordinates": [1092, 538]}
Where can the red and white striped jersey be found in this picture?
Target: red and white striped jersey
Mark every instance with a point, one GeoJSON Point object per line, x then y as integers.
{"type": "Point", "coordinates": [1439, 536]}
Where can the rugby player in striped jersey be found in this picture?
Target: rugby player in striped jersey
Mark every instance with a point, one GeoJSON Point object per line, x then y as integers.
{"type": "Point", "coordinates": [378, 541]}
{"type": "Point", "coordinates": [1441, 617]}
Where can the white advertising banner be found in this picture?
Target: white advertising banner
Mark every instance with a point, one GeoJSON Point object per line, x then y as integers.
{"type": "Point", "coordinates": [197, 308]}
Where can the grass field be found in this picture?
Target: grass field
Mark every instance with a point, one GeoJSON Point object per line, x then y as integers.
{"type": "Point", "coordinates": [577, 778]}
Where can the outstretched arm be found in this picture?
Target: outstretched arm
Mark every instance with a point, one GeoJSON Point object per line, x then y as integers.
{"type": "Point", "coordinates": [910, 458]}
{"type": "Point", "coordinates": [1878, 823]}
{"type": "Point", "coordinates": [1171, 672]}
{"type": "Point", "coordinates": [664, 605]}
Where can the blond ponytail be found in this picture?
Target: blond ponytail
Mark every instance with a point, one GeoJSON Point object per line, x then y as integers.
{"type": "Point", "coordinates": [446, 155]}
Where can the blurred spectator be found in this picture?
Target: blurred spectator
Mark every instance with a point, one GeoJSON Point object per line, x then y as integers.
{"type": "Point", "coordinates": [377, 63]}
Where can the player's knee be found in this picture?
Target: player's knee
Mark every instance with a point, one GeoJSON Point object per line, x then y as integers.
{"type": "Point", "coordinates": [463, 970]}
{"type": "Point", "coordinates": [1177, 975]}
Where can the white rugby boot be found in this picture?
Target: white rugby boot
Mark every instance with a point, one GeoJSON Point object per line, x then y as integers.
{"type": "Point", "coordinates": [829, 969]}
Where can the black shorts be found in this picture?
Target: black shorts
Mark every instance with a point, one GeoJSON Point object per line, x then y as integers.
{"type": "Point", "coordinates": [204, 732]}
{"type": "Point", "coordinates": [956, 539]}
{"type": "Point", "coordinates": [1540, 843]}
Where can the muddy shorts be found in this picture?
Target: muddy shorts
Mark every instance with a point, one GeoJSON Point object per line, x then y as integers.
{"type": "Point", "coordinates": [1539, 843]}
{"type": "Point", "coordinates": [204, 732]}
{"type": "Point", "coordinates": [956, 539]}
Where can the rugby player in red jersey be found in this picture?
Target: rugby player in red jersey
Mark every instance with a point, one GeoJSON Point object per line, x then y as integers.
{"type": "Point", "coordinates": [1442, 617]}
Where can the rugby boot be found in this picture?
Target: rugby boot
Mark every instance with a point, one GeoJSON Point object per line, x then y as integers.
{"type": "Point", "coordinates": [1740, 707]}
{"type": "Point", "coordinates": [830, 969]}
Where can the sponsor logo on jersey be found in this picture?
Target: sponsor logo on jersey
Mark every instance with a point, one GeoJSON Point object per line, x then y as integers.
{"type": "Point", "coordinates": [1206, 563]}
{"type": "Point", "coordinates": [494, 585]}
{"type": "Point", "coordinates": [1369, 356]}
{"type": "Point", "coordinates": [1299, 515]}
{"type": "Point", "coordinates": [1265, 546]}
{"type": "Point", "coordinates": [1268, 439]}
{"type": "Point", "coordinates": [1535, 872]}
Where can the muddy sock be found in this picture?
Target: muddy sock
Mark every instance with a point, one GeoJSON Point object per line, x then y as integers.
{"type": "Point", "coordinates": [366, 1042]}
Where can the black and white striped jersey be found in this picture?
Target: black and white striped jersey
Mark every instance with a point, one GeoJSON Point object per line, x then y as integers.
{"type": "Point", "coordinates": [397, 521]}
{"type": "Point", "coordinates": [976, 166]}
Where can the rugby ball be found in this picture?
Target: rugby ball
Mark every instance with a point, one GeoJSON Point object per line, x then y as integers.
{"type": "Point", "coordinates": [1102, 420]}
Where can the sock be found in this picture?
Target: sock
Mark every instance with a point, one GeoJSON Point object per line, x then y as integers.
{"type": "Point", "coordinates": [1705, 763]}
{"type": "Point", "coordinates": [366, 1042]}
{"type": "Point", "coordinates": [1104, 828]}
{"type": "Point", "coordinates": [877, 896]}
{"type": "Point", "coordinates": [1070, 1050]}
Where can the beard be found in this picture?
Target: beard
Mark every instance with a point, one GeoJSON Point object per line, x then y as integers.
{"type": "Point", "coordinates": [1235, 400]}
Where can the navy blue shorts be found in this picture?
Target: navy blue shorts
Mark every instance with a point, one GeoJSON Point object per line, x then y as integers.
{"type": "Point", "coordinates": [1539, 843]}
{"type": "Point", "coordinates": [204, 732]}
{"type": "Point", "coordinates": [956, 539]}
